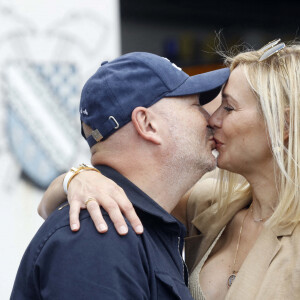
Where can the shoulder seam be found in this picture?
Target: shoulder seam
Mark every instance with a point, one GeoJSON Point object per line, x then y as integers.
{"type": "Point", "coordinates": [42, 244]}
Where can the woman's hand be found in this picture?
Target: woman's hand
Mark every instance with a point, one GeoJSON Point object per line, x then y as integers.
{"type": "Point", "coordinates": [103, 191]}
{"type": "Point", "coordinates": [106, 193]}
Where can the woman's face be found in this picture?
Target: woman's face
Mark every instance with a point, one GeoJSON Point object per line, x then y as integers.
{"type": "Point", "coordinates": [240, 131]}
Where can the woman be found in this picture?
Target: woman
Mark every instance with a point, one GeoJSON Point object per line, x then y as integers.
{"type": "Point", "coordinates": [244, 240]}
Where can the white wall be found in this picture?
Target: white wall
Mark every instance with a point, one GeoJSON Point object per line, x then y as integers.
{"type": "Point", "coordinates": [47, 50]}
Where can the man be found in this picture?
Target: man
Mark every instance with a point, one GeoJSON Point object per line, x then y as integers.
{"type": "Point", "coordinates": [147, 131]}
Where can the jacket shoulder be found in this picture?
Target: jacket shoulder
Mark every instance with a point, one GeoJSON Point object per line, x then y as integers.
{"type": "Point", "coordinates": [59, 260]}
{"type": "Point", "coordinates": [201, 198]}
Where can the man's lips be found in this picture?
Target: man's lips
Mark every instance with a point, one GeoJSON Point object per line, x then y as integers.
{"type": "Point", "coordinates": [211, 139]}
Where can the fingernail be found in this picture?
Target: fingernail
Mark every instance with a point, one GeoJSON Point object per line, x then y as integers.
{"type": "Point", "coordinates": [102, 227]}
{"type": "Point", "coordinates": [122, 229]}
{"type": "Point", "coordinates": [74, 227]}
{"type": "Point", "coordinates": [139, 229]}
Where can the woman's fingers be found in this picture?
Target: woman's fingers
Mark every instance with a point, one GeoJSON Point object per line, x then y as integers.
{"type": "Point", "coordinates": [91, 189]}
{"type": "Point", "coordinates": [117, 204]}
{"type": "Point", "coordinates": [74, 215]}
{"type": "Point", "coordinates": [96, 215]}
{"type": "Point", "coordinates": [114, 212]}
{"type": "Point", "coordinates": [129, 212]}
{"type": "Point", "coordinates": [134, 220]}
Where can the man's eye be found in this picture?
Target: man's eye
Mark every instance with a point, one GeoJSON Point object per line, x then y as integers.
{"type": "Point", "coordinates": [228, 108]}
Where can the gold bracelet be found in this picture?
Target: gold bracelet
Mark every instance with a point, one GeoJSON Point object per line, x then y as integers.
{"type": "Point", "coordinates": [75, 172]}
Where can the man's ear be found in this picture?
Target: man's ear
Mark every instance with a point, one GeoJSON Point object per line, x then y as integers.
{"type": "Point", "coordinates": [146, 124]}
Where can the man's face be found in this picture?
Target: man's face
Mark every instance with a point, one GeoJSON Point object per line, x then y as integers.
{"type": "Point", "coordinates": [190, 140]}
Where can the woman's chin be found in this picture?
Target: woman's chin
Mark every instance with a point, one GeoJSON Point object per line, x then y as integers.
{"type": "Point", "coordinates": [221, 164]}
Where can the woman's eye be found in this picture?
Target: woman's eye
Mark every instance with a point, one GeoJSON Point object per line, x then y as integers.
{"type": "Point", "coordinates": [228, 108]}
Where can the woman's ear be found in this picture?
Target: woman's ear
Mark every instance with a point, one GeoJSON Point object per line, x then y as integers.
{"type": "Point", "coordinates": [146, 124]}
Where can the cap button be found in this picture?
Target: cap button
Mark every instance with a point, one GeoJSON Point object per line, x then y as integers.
{"type": "Point", "coordinates": [104, 63]}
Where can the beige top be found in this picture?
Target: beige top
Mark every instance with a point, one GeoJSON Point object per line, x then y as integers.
{"type": "Point", "coordinates": [194, 283]}
{"type": "Point", "coordinates": [272, 268]}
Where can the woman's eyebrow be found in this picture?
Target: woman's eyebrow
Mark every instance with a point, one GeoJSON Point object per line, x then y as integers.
{"type": "Point", "coordinates": [224, 95]}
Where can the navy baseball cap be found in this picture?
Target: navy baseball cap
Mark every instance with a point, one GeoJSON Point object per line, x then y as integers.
{"type": "Point", "coordinates": [138, 79]}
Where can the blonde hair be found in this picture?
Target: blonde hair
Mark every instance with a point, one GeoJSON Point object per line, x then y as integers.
{"type": "Point", "coordinates": [276, 85]}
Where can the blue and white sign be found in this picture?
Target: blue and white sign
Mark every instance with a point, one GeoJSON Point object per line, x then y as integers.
{"type": "Point", "coordinates": [47, 51]}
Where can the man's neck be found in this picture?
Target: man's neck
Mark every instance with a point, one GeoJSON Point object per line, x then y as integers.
{"type": "Point", "coordinates": [165, 182]}
{"type": "Point", "coordinates": [165, 189]}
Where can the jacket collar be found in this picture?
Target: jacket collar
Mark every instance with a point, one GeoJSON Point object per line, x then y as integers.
{"type": "Point", "coordinates": [140, 199]}
{"type": "Point", "coordinates": [252, 272]}
{"type": "Point", "coordinates": [209, 224]}
{"type": "Point", "coordinates": [208, 221]}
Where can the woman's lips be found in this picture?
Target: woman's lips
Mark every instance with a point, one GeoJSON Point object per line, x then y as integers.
{"type": "Point", "coordinates": [218, 143]}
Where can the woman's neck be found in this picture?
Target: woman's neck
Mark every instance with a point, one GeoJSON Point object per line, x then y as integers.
{"type": "Point", "coordinates": [264, 192]}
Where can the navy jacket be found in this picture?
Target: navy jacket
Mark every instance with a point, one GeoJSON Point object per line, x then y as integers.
{"type": "Point", "coordinates": [60, 264]}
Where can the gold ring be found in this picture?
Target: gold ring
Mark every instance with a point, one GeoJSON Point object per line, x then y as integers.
{"type": "Point", "coordinates": [88, 200]}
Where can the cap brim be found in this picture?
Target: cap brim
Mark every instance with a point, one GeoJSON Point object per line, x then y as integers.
{"type": "Point", "coordinates": [208, 85]}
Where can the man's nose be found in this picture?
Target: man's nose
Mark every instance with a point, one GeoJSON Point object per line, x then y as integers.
{"type": "Point", "coordinates": [205, 114]}
{"type": "Point", "coordinates": [210, 130]}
